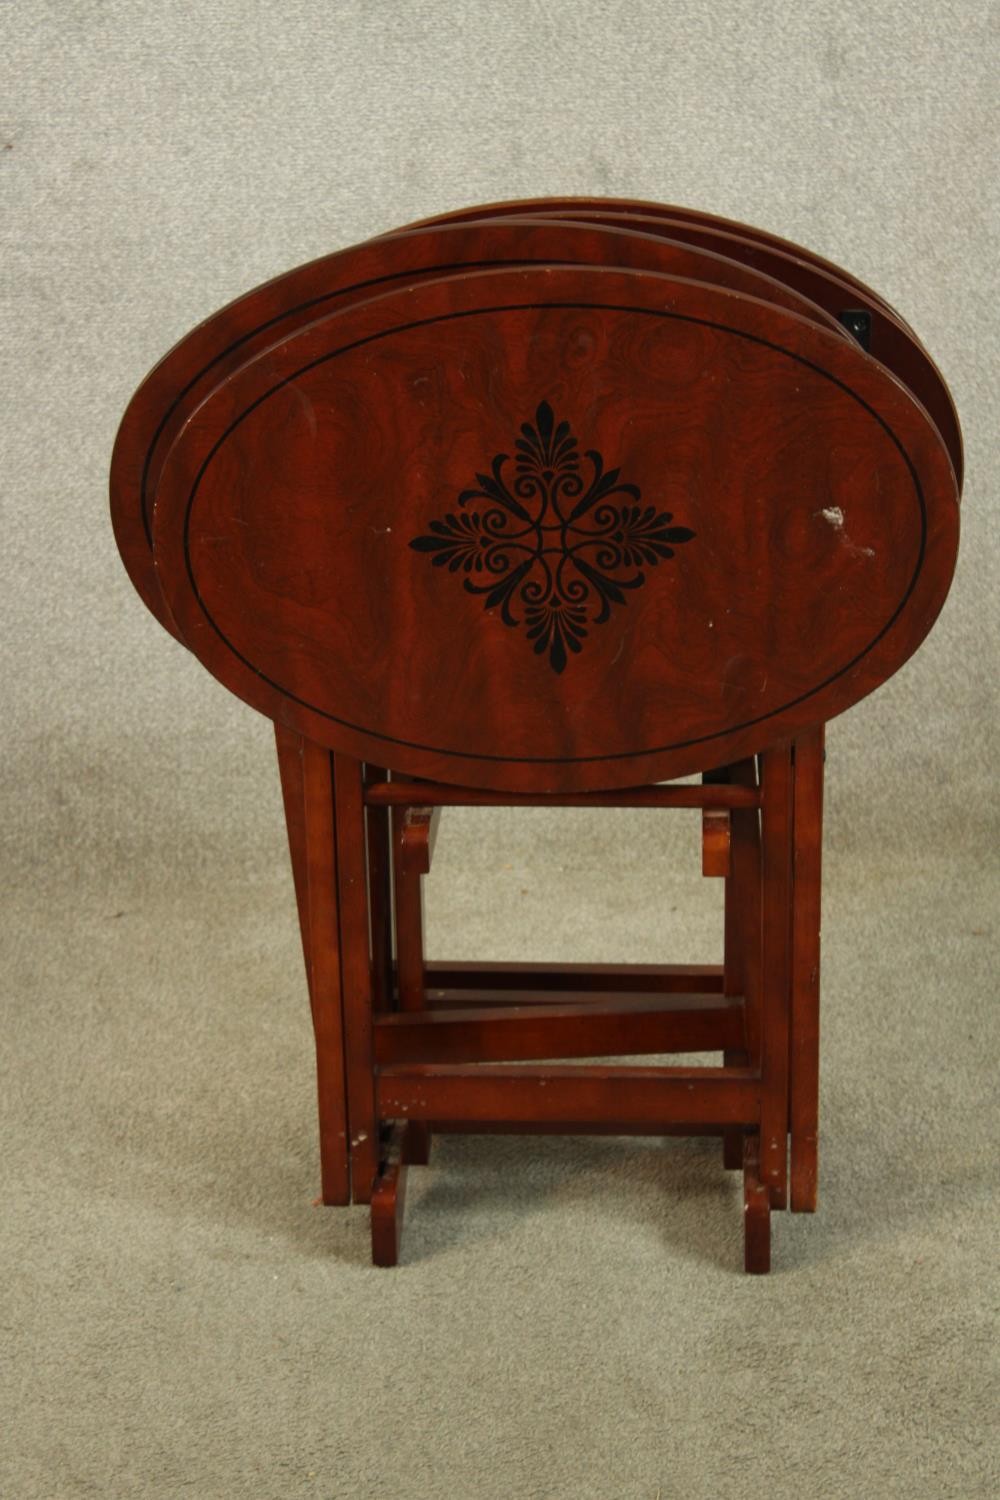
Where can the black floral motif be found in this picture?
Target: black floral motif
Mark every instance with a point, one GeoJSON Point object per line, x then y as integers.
{"type": "Point", "coordinates": [556, 547]}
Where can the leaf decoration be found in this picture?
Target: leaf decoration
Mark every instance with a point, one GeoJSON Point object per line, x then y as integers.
{"type": "Point", "coordinates": [555, 572]}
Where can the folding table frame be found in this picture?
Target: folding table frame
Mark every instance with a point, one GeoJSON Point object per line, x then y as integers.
{"type": "Point", "coordinates": [406, 1049]}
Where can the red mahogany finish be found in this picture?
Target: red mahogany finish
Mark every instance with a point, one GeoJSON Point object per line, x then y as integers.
{"type": "Point", "coordinates": [563, 207]}
{"type": "Point", "coordinates": [176, 386]}
{"type": "Point", "coordinates": [548, 505]}
{"type": "Point", "coordinates": [886, 334]}
{"type": "Point", "coordinates": [835, 575]}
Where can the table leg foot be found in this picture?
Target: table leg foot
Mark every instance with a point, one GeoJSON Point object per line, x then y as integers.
{"type": "Point", "coordinates": [756, 1212]}
{"type": "Point", "coordinates": [804, 1174]}
{"type": "Point", "coordinates": [388, 1198]}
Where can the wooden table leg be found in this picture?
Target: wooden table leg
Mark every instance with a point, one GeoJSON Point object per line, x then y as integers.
{"type": "Point", "coordinates": [356, 978]}
{"type": "Point", "coordinates": [756, 1212]}
{"type": "Point", "coordinates": [413, 832]}
{"type": "Point", "coordinates": [804, 1043]}
{"type": "Point", "coordinates": [289, 747]}
{"type": "Point", "coordinates": [741, 968]}
{"type": "Point", "coordinates": [315, 855]}
{"type": "Point", "coordinates": [380, 895]}
{"type": "Point", "coordinates": [389, 1199]}
{"type": "Point", "coordinates": [776, 895]}
{"type": "Point", "coordinates": [408, 890]}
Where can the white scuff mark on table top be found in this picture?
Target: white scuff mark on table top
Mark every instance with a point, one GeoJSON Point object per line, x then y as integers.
{"type": "Point", "coordinates": [836, 518]}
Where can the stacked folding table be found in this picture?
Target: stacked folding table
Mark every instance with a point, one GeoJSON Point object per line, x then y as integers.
{"type": "Point", "coordinates": [554, 503]}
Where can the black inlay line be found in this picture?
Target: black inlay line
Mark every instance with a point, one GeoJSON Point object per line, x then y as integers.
{"type": "Point", "coordinates": [478, 312]}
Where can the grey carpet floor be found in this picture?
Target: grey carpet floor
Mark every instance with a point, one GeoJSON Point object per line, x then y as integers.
{"type": "Point", "coordinates": [570, 1317]}
{"type": "Point", "coordinates": [570, 1321]}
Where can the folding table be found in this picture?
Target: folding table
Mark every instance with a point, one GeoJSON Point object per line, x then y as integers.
{"type": "Point", "coordinates": [552, 503]}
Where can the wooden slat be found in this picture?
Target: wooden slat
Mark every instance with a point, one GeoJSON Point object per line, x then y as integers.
{"type": "Point", "coordinates": [665, 979]}
{"type": "Point", "coordinates": [432, 794]}
{"type": "Point", "coordinates": [649, 1096]}
{"type": "Point", "coordinates": [443, 1001]}
{"type": "Point", "coordinates": [621, 1027]}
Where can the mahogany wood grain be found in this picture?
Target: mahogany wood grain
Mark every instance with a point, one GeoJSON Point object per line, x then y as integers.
{"type": "Point", "coordinates": [352, 901]}
{"type": "Point", "coordinates": [380, 896]}
{"type": "Point", "coordinates": [848, 599]}
{"type": "Point", "coordinates": [756, 1212]}
{"type": "Point", "coordinates": [716, 834]}
{"type": "Point", "coordinates": [622, 1027]}
{"type": "Point", "coordinates": [743, 911]}
{"type": "Point", "coordinates": [558, 207]}
{"type": "Point", "coordinates": [484, 999]}
{"type": "Point", "coordinates": [409, 850]}
{"type": "Point", "coordinates": [217, 348]}
{"type": "Point", "coordinates": [804, 1042]}
{"type": "Point", "coordinates": [415, 833]}
{"type": "Point", "coordinates": [741, 937]}
{"type": "Point", "coordinates": [732, 1139]}
{"type": "Point", "coordinates": [776, 846]}
{"type": "Point", "coordinates": [289, 746]}
{"type": "Point", "coordinates": [417, 836]}
{"type": "Point", "coordinates": [828, 286]}
{"type": "Point", "coordinates": [388, 1201]}
{"type": "Point", "coordinates": [498, 1091]}
{"type": "Point", "coordinates": [402, 793]}
{"type": "Point", "coordinates": [891, 340]}
{"type": "Point", "coordinates": [543, 511]}
{"type": "Point", "coordinates": [325, 953]}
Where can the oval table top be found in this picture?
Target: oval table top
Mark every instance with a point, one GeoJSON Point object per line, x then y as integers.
{"type": "Point", "coordinates": [551, 527]}
{"type": "Point", "coordinates": [221, 344]}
